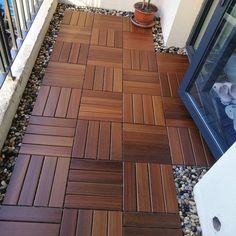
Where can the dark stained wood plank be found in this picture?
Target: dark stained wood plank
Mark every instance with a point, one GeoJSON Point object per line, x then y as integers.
{"type": "Point", "coordinates": [80, 139]}
{"type": "Point", "coordinates": [59, 183]}
{"type": "Point", "coordinates": [31, 181]}
{"type": "Point", "coordinates": [50, 130]}
{"type": "Point", "coordinates": [158, 111]}
{"type": "Point", "coordinates": [128, 108]}
{"type": "Point", "coordinates": [175, 146]}
{"type": "Point", "coordinates": [186, 146]}
{"type": "Point", "coordinates": [94, 176]}
{"type": "Point", "coordinates": [83, 55]}
{"type": "Point", "coordinates": [173, 82]}
{"type": "Point", "coordinates": [116, 141]}
{"type": "Point", "coordinates": [165, 87]}
{"type": "Point", "coordinates": [142, 182]}
{"type": "Point", "coordinates": [111, 166]}
{"type": "Point", "coordinates": [152, 220]}
{"type": "Point", "coordinates": [92, 140]}
{"type": "Point", "coordinates": [68, 223]}
{"type": "Point", "coordinates": [45, 182]}
{"type": "Point", "coordinates": [99, 223]}
{"type": "Point", "coordinates": [41, 100]}
{"type": "Point", "coordinates": [73, 108]}
{"type": "Point", "coordinates": [130, 201]}
{"type": "Point", "coordinates": [51, 104]}
{"type": "Point", "coordinates": [63, 102]}
{"type": "Point", "coordinates": [169, 189]}
{"type": "Point", "coordinates": [91, 202]}
{"type": "Point", "coordinates": [156, 188]}
{"type": "Point", "coordinates": [138, 109]}
{"type": "Point", "coordinates": [58, 122]}
{"type": "Point", "coordinates": [65, 52]}
{"type": "Point", "coordinates": [152, 66]}
{"type": "Point", "coordinates": [30, 214]}
{"type": "Point", "coordinates": [104, 141]}
{"type": "Point", "coordinates": [45, 150]}
{"type": "Point", "coordinates": [17, 180]}
{"type": "Point", "coordinates": [101, 22]}
{"type": "Point", "coordinates": [28, 229]}
{"type": "Point", "coordinates": [114, 223]}
{"type": "Point", "coordinates": [148, 110]}
{"type": "Point", "coordinates": [56, 51]}
{"type": "Point", "coordinates": [84, 223]}
{"type": "Point", "coordinates": [133, 231]}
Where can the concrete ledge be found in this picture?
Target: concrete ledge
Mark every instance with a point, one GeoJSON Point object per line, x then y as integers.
{"type": "Point", "coordinates": [11, 91]}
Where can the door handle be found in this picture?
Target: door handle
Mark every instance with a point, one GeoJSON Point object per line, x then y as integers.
{"type": "Point", "coordinates": [222, 3]}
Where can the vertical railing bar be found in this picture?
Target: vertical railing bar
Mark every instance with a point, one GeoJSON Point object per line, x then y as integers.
{"type": "Point", "coordinates": [22, 13]}
{"type": "Point", "coordinates": [2, 66]}
{"type": "Point", "coordinates": [32, 7]}
{"type": "Point", "coordinates": [17, 19]}
{"type": "Point", "coordinates": [9, 19]}
{"type": "Point", "coordinates": [27, 10]}
{"type": "Point", "coordinates": [4, 43]}
{"type": "Point", "coordinates": [37, 3]}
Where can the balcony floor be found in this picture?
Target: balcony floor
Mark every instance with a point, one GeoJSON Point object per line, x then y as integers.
{"type": "Point", "coordinates": [106, 128]}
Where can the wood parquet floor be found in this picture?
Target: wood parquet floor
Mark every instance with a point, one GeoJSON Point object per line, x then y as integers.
{"type": "Point", "coordinates": [106, 128]}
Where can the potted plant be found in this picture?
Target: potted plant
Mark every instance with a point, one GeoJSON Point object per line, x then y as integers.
{"type": "Point", "coordinates": [144, 14]}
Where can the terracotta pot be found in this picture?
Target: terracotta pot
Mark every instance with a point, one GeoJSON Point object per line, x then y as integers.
{"type": "Point", "coordinates": [144, 17]}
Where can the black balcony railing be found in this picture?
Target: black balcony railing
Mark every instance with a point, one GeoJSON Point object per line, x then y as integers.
{"type": "Point", "coordinates": [16, 17]}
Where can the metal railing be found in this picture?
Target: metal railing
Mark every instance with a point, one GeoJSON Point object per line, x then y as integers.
{"type": "Point", "coordinates": [16, 18]}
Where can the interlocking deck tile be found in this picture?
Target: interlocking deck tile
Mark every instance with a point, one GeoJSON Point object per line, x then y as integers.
{"type": "Point", "coordinates": [102, 78]}
{"type": "Point", "coordinates": [135, 59]}
{"type": "Point", "coordinates": [64, 75]}
{"type": "Point", "coordinates": [146, 143]}
{"type": "Point", "coordinates": [149, 187]}
{"type": "Point", "coordinates": [57, 102]}
{"type": "Point", "coordinates": [143, 109]}
{"type": "Point", "coordinates": [96, 105]}
{"type": "Point", "coordinates": [98, 140]}
{"type": "Point", "coordinates": [107, 22]}
{"type": "Point", "coordinates": [100, 190]}
{"type": "Point", "coordinates": [91, 223]}
{"type": "Point", "coordinates": [141, 82]}
{"type": "Point", "coordinates": [38, 181]}
{"type": "Point", "coordinates": [105, 56]}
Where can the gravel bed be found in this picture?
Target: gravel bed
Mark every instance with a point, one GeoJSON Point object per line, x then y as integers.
{"type": "Point", "coordinates": [186, 178]}
{"type": "Point", "coordinates": [183, 176]}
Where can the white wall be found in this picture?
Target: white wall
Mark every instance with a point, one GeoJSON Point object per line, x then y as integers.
{"type": "Point", "coordinates": [215, 196]}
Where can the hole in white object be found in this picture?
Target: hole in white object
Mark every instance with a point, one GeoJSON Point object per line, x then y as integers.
{"type": "Point", "coordinates": [216, 223]}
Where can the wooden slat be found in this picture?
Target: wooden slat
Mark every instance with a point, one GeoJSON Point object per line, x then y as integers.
{"type": "Point", "coordinates": [130, 201]}
{"type": "Point", "coordinates": [158, 111]}
{"type": "Point", "coordinates": [68, 223]}
{"type": "Point", "coordinates": [28, 229]}
{"type": "Point", "coordinates": [73, 108]}
{"type": "Point", "coordinates": [89, 20]}
{"type": "Point", "coordinates": [17, 180]}
{"type": "Point", "coordinates": [75, 50]}
{"type": "Point", "coordinates": [143, 193]}
{"type": "Point", "coordinates": [108, 79]}
{"type": "Point", "coordinates": [169, 189]}
{"type": "Point", "coordinates": [148, 110]}
{"type": "Point", "coordinates": [104, 141]}
{"type": "Point", "coordinates": [99, 223]}
{"type": "Point", "coordinates": [92, 140]}
{"type": "Point", "coordinates": [74, 18]}
{"type": "Point", "coordinates": [67, 17]}
{"type": "Point", "coordinates": [65, 52]}
{"type": "Point", "coordinates": [82, 19]}
{"type": "Point", "coordinates": [31, 181]}
{"type": "Point", "coordinates": [98, 78]}
{"type": "Point", "coordinates": [59, 183]}
{"type": "Point", "coordinates": [116, 141]}
{"type": "Point", "coordinates": [127, 61]}
{"type": "Point", "coordinates": [117, 85]}
{"type": "Point", "coordinates": [138, 109]}
{"type": "Point", "coordinates": [30, 214]}
{"type": "Point", "coordinates": [84, 223]}
{"type": "Point", "coordinates": [56, 51]}
{"type": "Point", "coordinates": [128, 108]}
{"type": "Point", "coordinates": [84, 49]}
{"type": "Point", "coordinates": [63, 102]}
{"type": "Point", "coordinates": [45, 182]}
{"type": "Point", "coordinates": [114, 223]}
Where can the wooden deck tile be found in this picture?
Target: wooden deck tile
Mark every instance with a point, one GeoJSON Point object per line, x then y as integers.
{"type": "Point", "coordinates": [153, 188]}
{"type": "Point", "coordinates": [38, 181]}
{"type": "Point", "coordinates": [100, 78]}
{"type": "Point", "coordinates": [128, 26]}
{"type": "Point", "coordinates": [98, 140]}
{"type": "Point", "coordinates": [98, 190]}
{"type": "Point", "coordinates": [138, 41]}
{"type": "Point", "coordinates": [64, 75]}
{"type": "Point", "coordinates": [91, 223]}
{"type": "Point", "coordinates": [134, 59]}
{"type": "Point", "coordinates": [107, 37]}
{"type": "Point", "coordinates": [141, 82]}
{"type": "Point", "coordinates": [176, 114]}
{"type": "Point", "coordinates": [143, 109]}
{"type": "Point", "coordinates": [105, 56]}
{"type": "Point", "coordinates": [101, 106]}
{"type": "Point", "coordinates": [107, 22]}
{"type": "Point", "coordinates": [146, 143]}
